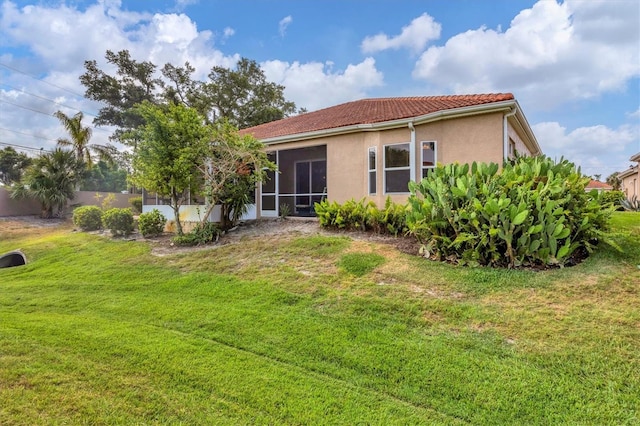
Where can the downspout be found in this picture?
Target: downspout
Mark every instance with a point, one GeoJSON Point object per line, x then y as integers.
{"type": "Point", "coordinates": [505, 133]}
{"type": "Point", "coordinates": [412, 153]}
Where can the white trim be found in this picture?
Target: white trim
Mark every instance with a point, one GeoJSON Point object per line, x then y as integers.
{"type": "Point", "coordinates": [412, 153]}
{"type": "Point", "coordinates": [505, 134]}
{"type": "Point", "coordinates": [385, 169]}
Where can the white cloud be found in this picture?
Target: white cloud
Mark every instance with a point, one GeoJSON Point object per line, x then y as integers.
{"type": "Point", "coordinates": [283, 24]}
{"type": "Point", "coordinates": [414, 36]}
{"type": "Point", "coordinates": [635, 114]}
{"type": "Point", "coordinates": [550, 54]}
{"type": "Point", "coordinates": [315, 85]}
{"type": "Point", "coordinates": [228, 32]}
{"type": "Point", "coordinates": [597, 149]}
{"type": "Point", "coordinates": [61, 37]}
{"type": "Point", "coordinates": [182, 4]}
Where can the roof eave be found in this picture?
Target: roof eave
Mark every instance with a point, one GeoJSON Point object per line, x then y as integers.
{"type": "Point", "coordinates": [421, 119]}
{"type": "Point", "coordinates": [629, 172]}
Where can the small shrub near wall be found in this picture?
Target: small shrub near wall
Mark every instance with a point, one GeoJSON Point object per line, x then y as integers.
{"type": "Point", "coordinates": [118, 221]}
{"type": "Point", "coordinates": [363, 215]}
{"type": "Point", "coordinates": [152, 223]}
{"type": "Point", "coordinates": [88, 218]}
{"type": "Point", "coordinates": [534, 212]}
{"type": "Point", "coordinates": [136, 203]}
{"type": "Point", "coordinates": [202, 233]}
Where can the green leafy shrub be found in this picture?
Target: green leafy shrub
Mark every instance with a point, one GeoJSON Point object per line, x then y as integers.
{"type": "Point", "coordinates": [201, 234]}
{"type": "Point", "coordinates": [535, 212]}
{"type": "Point", "coordinates": [136, 203]}
{"type": "Point", "coordinates": [88, 218]}
{"type": "Point", "coordinates": [362, 215]}
{"type": "Point", "coordinates": [611, 198]}
{"type": "Point", "coordinates": [118, 221]}
{"type": "Point", "coordinates": [151, 223]}
{"type": "Point", "coordinates": [285, 210]}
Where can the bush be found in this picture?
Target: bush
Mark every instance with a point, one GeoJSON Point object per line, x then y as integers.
{"type": "Point", "coordinates": [136, 203]}
{"type": "Point", "coordinates": [152, 223]}
{"type": "Point", "coordinates": [118, 221]}
{"type": "Point", "coordinates": [609, 199]}
{"type": "Point", "coordinates": [88, 218]}
{"type": "Point", "coordinates": [362, 216]}
{"type": "Point", "coordinates": [535, 212]}
{"type": "Point", "coordinates": [201, 234]}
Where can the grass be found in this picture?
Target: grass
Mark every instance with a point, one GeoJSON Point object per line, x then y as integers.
{"type": "Point", "coordinates": [313, 330]}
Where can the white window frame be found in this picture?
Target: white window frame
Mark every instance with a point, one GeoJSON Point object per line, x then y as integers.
{"type": "Point", "coordinates": [435, 157]}
{"type": "Point", "coordinates": [373, 149]}
{"type": "Point", "coordinates": [386, 169]}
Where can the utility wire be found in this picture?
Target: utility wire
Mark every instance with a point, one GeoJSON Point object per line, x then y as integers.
{"type": "Point", "coordinates": [47, 99]}
{"type": "Point", "coordinates": [24, 147]}
{"type": "Point", "coordinates": [40, 79]}
{"type": "Point", "coordinates": [46, 113]}
{"type": "Point", "coordinates": [28, 134]}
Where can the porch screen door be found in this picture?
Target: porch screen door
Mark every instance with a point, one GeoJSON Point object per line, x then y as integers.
{"type": "Point", "coordinates": [269, 199]}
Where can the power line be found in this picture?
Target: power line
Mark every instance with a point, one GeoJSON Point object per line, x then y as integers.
{"type": "Point", "coordinates": [24, 147]}
{"type": "Point", "coordinates": [47, 99]}
{"type": "Point", "coordinates": [28, 134]}
{"type": "Point", "coordinates": [46, 113]}
{"type": "Point", "coordinates": [27, 108]}
{"type": "Point", "coordinates": [40, 79]}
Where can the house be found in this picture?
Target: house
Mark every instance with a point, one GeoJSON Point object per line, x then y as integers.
{"type": "Point", "coordinates": [373, 147]}
{"type": "Point", "coordinates": [598, 186]}
{"type": "Point", "coordinates": [630, 178]}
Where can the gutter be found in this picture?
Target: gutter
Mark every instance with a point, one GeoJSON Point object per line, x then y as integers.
{"type": "Point", "coordinates": [505, 133]}
{"type": "Point", "coordinates": [412, 152]}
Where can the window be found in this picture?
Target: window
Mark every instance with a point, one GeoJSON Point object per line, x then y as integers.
{"type": "Point", "coordinates": [372, 170]}
{"type": "Point", "coordinates": [429, 157]}
{"type": "Point", "coordinates": [512, 148]}
{"type": "Point", "coordinates": [397, 170]}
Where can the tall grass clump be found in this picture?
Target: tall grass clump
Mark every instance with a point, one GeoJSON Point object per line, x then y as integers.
{"type": "Point", "coordinates": [534, 212]}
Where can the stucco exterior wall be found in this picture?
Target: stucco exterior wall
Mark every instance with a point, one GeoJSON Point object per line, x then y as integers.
{"type": "Point", "coordinates": [28, 207]}
{"type": "Point", "coordinates": [464, 140]}
{"type": "Point", "coordinates": [520, 146]}
{"type": "Point", "coordinates": [631, 183]}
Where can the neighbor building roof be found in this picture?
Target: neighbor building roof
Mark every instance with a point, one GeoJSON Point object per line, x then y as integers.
{"type": "Point", "coordinates": [596, 184]}
{"type": "Point", "coordinates": [370, 111]}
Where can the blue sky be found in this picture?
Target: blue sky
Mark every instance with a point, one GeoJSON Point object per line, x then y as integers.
{"type": "Point", "coordinates": [574, 66]}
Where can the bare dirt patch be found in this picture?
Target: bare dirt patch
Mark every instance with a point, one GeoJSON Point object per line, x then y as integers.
{"type": "Point", "coordinates": [272, 229]}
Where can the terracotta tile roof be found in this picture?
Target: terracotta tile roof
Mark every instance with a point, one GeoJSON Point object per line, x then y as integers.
{"type": "Point", "coordinates": [369, 111]}
{"type": "Point", "coordinates": [596, 184]}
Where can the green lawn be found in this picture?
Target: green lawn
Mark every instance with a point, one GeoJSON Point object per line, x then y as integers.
{"type": "Point", "coordinates": [313, 330]}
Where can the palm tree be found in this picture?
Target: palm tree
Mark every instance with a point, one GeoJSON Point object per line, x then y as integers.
{"type": "Point", "coordinates": [51, 180]}
{"type": "Point", "coordinates": [79, 139]}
